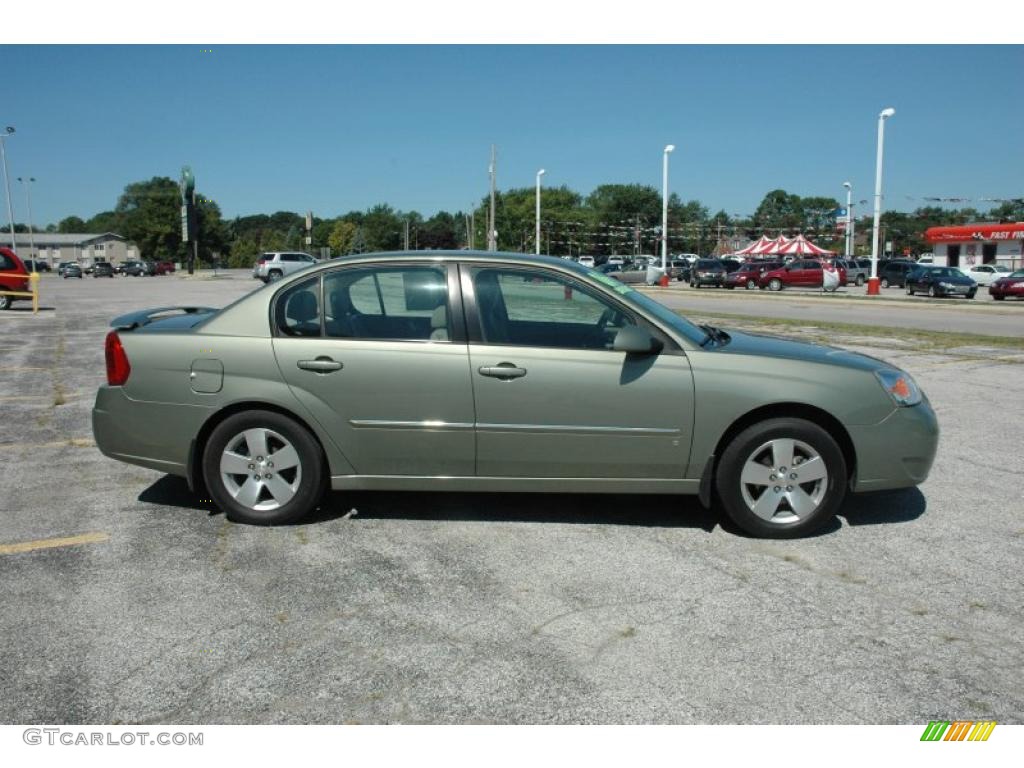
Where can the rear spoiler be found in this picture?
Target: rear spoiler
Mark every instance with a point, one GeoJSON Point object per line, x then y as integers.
{"type": "Point", "coordinates": [146, 316]}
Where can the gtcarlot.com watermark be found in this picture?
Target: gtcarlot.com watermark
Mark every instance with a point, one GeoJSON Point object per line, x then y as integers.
{"type": "Point", "coordinates": [76, 738]}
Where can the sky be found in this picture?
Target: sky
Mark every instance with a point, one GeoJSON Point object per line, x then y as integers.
{"type": "Point", "coordinates": [339, 128]}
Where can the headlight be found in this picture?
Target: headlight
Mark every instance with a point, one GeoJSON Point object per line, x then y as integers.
{"type": "Point", "coordinates": [1017, 285]}
{"type": "Point", "coordinates": [900, 386]}
{"type": "Point", "coordinates": [945, 285]}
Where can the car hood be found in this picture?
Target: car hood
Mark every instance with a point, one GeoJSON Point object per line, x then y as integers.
{"type": "Point", "coordinates": [771, 346]}
{"type": "Point", "coordinates": [956, 280]}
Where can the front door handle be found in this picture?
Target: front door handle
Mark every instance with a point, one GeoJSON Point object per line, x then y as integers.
{"type": "Point", "coordinates": [322, 364]}
{"type": "Point", "coordinates": [502, 371]}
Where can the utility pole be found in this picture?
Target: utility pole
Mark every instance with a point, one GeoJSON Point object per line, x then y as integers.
{"type": "Point", "coordinates": [28, 198]}
{"type": "Point", "coordinates": [8, 131]}
{"type": "Point", "coordinates": [492, 238]}
{"type": "Point", "coordinates": [407, 234]}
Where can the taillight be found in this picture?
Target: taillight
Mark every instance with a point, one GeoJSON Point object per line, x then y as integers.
{"type": "Point", "coordinates": [118, 368]}
{"type": "Point", "coordinates": [261, 261]}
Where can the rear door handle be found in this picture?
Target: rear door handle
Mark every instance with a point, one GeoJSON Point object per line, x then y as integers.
{"type": "Point", "coordinates": [321, 365]}
{"type": "Point", "coordinates": [502, 371]}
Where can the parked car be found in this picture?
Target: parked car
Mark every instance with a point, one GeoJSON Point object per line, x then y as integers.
{"type": "Point", "coordinates": [274, 266]}
{"type": "Point", "coordinates": [748, 273]}
{"type": "Point", "coordinates": [893, 273]}
{"type": "Point", "coordinates": [985, 274]}
{"type": "Point", "coordinates": [167, 266]}
{"type": "Point", "coordinates": [629, 272]}
{"type": "Point", "coordinates": [72, 269]}
{"type": "Point", "coordinates": [36, 265]}
{"type": "Point", "coordinates": [103, 269]}
{"type": "Point", "coordinates": [61, 267]}
{"type": "Point", "coordinates": [679, 269]}
{"type": "Point", "coordinates": [1011, 285]}
{"type": "Point", "coordinates": [799, 273]}
{"type": "Point", "coordinates": [730, 265]}
{"type": "Point", "coordinates": [615, 260]}
{"type": "Point", "coordinates": [926, 258]}
{"type": "Point", "coordinates": [133, 269]}
{"type": "Point", "coordinates": [939, 281]}
{"type": "Point", "coordinates": [13, 277]}
{"type": "Point", "coordinates": [586, 261]}
{"type": "Point", "coordinates": [857, 272]}
{"type": "Point", "coordinates": [478, 371]}
{"type": "Point", "coordinates": [707, 272]}
{"type": "Point", "coordinates": [91, 266]}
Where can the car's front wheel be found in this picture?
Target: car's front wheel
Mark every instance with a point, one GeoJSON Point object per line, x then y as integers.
{"type": "Point", "coordinates": [782, 478]}
{"type": "Point", "coordinates": [775, 284]}
{"type": "Point", "coordinates": [5, 302]}
{"type": "Point", "coordinates": [885, 282]}
{"type": "Point", "coordinates": [932, 292]}
{"type": "Point", "coordinates": [263, 468]}
{"type": "Point", "coordinates": [910, 291]}
{"type": "Point", "coordinates": [860, 280]}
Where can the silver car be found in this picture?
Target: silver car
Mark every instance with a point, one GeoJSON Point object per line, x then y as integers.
{"type": "Point", "coordinates": [476, 371]}
{"type": "Point", "coordinates": [277, 264]}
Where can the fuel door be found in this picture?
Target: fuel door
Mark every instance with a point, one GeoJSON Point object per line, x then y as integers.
{"type": "Point", "coordinates": [207, 376]}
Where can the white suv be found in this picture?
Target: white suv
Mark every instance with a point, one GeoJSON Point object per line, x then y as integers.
{"type": "Point", "coordinates": [277, 264]}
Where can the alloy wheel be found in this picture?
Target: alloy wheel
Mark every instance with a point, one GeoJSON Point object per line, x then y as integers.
{"type": "Point", "coordinates": [260, 469]}
{"type": "Point", "coordinates": [784, 481]}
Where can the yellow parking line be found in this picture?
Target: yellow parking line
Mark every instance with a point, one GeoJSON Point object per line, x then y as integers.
{"type": "Point", "coordinates": [67, 541]}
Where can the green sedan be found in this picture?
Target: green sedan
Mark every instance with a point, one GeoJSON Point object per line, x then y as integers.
{"type": "Point", "coordinates": [476, 371]}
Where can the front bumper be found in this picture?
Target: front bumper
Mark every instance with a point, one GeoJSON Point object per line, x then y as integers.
{"type": "Point", "coordinates": [708, 279]}
{"type": "Point", "coordinates": [898, 451]}
{"type": "Point", "coordinates": [154, 435]}
{"type": "Point", "coordinates": [1005, 290]}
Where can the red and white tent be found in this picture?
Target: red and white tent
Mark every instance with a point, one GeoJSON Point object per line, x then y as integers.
{"type": "Point", "coordinates": [801, 246]}
{"type": "Point", "coordinates": [755, 248]}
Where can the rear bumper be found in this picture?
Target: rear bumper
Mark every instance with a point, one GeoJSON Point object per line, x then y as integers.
{"type": "Point", "coordinates": [898, 452]}
{"type": "Point", "coordinates": [999, 290]}
{"type": "Point", "coordinates": [153, 435]}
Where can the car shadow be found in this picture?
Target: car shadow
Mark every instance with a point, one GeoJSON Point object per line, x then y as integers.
{"type": "Point", "coordinates": [884, 507]}
{"type": "Point", "coordinates": [22, 308]}
{"type": "Point", "coordinates": [654, 511]}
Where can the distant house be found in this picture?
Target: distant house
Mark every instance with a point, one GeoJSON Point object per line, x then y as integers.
{"type": "Point", "coordinates": [82, 248]}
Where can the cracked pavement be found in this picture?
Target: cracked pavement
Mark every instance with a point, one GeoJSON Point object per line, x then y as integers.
{"type": "Point", "coordinates": [489, 608]}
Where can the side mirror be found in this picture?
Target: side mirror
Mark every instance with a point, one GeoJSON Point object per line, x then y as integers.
{"type": "Point", "coordinates": [636, 341]}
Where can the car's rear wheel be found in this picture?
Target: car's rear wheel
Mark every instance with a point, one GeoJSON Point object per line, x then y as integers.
{"type": "Point", "coordinates": [263, 468]}
{"type": "Point", "coordinates": [997, 297]}
{"type": "Point", "coordinates": [751, 285]}
{"type": "Point", "coordinates": [885, 282]}
{"type": "Point", "coordinates": [860, 280]}
{"type": "Point", "coordinates": [910, 291]}
{"type": "Point", "coordinates": [775, 284]}
{"type": "Point", "coordinates": [5, 302]}
{"type": "Point", "coordinates": [971, 294]}
{"type": "Point", "coordinates": [782, 478]}
{"type": "Point", "coordinates": [274, 274]}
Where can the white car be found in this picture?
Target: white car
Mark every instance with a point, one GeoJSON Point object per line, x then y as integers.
{"type": "Point", "coordinates": [587, 261]}
{"type": "Point", "coordinates": [616, 260]}
{"type": "Point", "coordinates": [277, 264]}
{"type": "Point", "coordinates": [985, 274]}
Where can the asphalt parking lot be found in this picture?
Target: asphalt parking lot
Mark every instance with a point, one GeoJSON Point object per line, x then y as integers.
{"type": "Point", "coordinates": [448, 608]}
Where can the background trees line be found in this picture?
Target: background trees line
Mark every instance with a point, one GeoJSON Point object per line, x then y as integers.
{"type": "Point", "coordinates": [614, 218]}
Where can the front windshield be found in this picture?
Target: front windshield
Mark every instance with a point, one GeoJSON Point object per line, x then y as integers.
{"type": "Point", "coordinates": [1018, 273]}
{"type": "Point", "coordinates": [946, 272]}
{"type": "Point", "coordinates": [649, 305]}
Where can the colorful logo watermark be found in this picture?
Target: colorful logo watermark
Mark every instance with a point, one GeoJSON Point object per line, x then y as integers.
{"type": "Point", "coordinates": [958, 730]}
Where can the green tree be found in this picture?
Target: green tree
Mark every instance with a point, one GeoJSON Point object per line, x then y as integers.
{"type": "Point", "coordinates": [107, 221]}
{"type": "Point", "coordinates": [342, 236]}
{"type": "Point", "coordinates": [71, 225]}
{"type": "Point", "coordinates": [780, 210]}
{"type": "Point", "coordinates": [150, 216]}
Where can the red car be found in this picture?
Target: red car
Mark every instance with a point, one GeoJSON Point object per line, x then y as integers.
{"type": "Point", "coordinates": [13, 277]}
{"type": "Point", "coordinates": [748, 273]}
{"type": "Point", "coordinates": [167, 266]}
{"type": "Point", "coordinates": [1011, 285]}
{"type": "Point", "coordinates": [802, 273]}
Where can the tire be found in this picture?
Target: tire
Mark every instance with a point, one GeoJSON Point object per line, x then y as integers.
{"type": "Point", "coordinates": [885, 282]}
{"type": "Point", "coordinates": [932, 293]}
{"type": "Point", "coordinates": [274, 274]}
{"type": "Point", "coordinates": [290, 496]}
{"type": "Point", "coordinates": [787, 513]}
{"type": "Point", "coordinates": [751, 285]}
{"type": "Point", "coordinates": [910, 291]}
{"type": "Point", "coordinates": [5, 303]}
{"type": "Point", "coordinates": [859, 281]}
{"type": "Point", "coordinates": [775, 284]}
{"type": "Point", "coordinates": [971, 294]}
{"type": "Point", "coordinates": [998, 298]}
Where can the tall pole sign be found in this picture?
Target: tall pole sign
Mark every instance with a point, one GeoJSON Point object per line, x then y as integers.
{"type": "Point", "coordinates": [188, 215]}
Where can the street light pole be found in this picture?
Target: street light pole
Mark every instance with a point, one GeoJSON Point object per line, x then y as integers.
{"type": "Point", "coordinates": [8, 131]}
{"type": "Point", "coordinates": [849, 217]}
{"type": "Point", "coordinates": [492, 231]}
{"type": "Point", "coordinates": [664, 208]}
{"type": "Point", "coordinates": [873, 281]}
{"type": "Point", "coordinates": [28, 198]}
{"type": "Point", "coordinates": [537, 235]}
